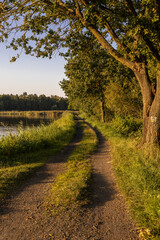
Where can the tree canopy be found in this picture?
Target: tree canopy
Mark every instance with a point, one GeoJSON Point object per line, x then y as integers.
{"type": "Point", "coordinates": [129, 30]}
{"type": "Point", "coordinates": [132, 25]}
{"type": "Point", "coordinates": [30, 102]}
{"type": "Point", "coordinates": [97, 84]}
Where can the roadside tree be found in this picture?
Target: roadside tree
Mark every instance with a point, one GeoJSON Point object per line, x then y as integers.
{"type": "Point", "coordinates": [129, 30]}
{"type": "Point", "coordinates": [96, 77]}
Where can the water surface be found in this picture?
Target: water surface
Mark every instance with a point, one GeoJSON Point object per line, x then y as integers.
{"type": "Point", "coordinates": [10, 124]}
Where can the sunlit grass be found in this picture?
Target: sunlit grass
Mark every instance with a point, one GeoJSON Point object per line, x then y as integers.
{"type": "Point", "coordinates": [137, 172]}
{"type": "Point", "coordinates": [21, 154]}
{"type": "Point", "coordinates": [12, 176]}
{"type": "Point", "coordinates": [72, 187]}
{"type": "Point", "coordinates": [14, 148]}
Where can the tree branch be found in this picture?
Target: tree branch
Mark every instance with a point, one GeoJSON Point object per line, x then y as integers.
{"type": "Point", "coordinates": [102, 40]}
{"type": "Point", "coordinates": [114, 36]}
{"type": "Point", "coordinates": [149, 44]}
{"type": "Point", "coordinates": [157, 3]}
{"type": "Point", "coordinates": [78, 11]}
{"type": "Point", "coordinates": [61, 4]}
{"type": "Point", "coordinates": [131, 7]}
{"type": "Point", "coordinates": [84, 2]}
{"type": "Point", "coordinates": [109, 48]}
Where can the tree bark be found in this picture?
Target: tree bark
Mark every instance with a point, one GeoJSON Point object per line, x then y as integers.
{"type": "Point", "coordinates": [153, 128]}
{"type": "Point", "coordinates": [151, 105]}
{"type": "Point", "coordinates": [102, 111]}
{"type": "Point", "coordinates": [151, 102]}
{"type": "Point", "coordinates": [141, 74]}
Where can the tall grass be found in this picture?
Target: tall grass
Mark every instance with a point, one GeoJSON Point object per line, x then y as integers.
{"type": "Point", "coordinates": [71, 188]}
{"type": "Point", "coordinates": [16, 148]}
{"type": "Point", "coordinates": [137, 171]}
{"type": "Point", "coordinates": [21, 154]}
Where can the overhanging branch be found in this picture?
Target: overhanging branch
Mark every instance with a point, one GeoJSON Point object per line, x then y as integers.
{"type": "Point", "coordinates": [109, 48]}
{"type": "Point", "coordinates": [131, 8]}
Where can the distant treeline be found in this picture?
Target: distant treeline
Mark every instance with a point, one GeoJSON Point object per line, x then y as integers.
{"type": "Point", "coordinates": [25, 102]}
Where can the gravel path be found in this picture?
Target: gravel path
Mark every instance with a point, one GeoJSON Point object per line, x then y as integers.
{"type": "Point", "coordinates": [106, 218]}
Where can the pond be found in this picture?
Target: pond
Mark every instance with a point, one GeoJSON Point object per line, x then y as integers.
{"type": "Point", "coordinates": [10, 124]}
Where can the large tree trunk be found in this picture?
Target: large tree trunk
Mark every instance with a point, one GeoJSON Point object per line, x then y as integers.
{"type": "Point", "coordinates": [102, 111]}
{"type": "Point", "coordinates": [151, 103]}
{"type": "Point", "coordinates": [151, 106]}
{"type": "Point", "coordinates": [153, 128]}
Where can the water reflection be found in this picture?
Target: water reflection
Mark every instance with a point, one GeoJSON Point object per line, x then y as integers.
{"type": "Point", "coordinates": [4, 131]}
{"type": "Point", "coordinates": [10, 124]}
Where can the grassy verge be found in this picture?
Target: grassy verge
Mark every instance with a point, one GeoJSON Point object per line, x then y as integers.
{"type": "Point", "coordinates": [22, 154]}
{"type": "Point", "coordinates": [71, 187]}
{"type": "Point", "coordinates": [138, 175]}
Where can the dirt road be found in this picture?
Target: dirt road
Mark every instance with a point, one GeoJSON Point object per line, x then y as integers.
{"type": "Point", "coordinates": [106, 218]}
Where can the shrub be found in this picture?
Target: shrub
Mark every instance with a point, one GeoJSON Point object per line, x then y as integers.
{"type": "Point", "coordinates": [125, 126]}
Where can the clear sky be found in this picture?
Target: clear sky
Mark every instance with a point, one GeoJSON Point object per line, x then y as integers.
{"type": "Point", "coordinates": [30, 74]}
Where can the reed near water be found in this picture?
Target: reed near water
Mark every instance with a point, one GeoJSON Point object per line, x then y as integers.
{"type": "Point", "coordinates": [21, 154]}
{"type": "Point", "coordinates": [16, 147]}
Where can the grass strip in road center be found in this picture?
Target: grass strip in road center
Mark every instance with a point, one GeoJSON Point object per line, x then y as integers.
{"type": "Point", "coordinates": [71, 187]}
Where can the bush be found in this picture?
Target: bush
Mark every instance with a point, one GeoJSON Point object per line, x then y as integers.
{"type": "Point", "coordinates": [126, 126]}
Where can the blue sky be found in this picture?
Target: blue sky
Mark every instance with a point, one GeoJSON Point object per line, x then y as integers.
{"type": "Point", "coordinates": [30, 74]}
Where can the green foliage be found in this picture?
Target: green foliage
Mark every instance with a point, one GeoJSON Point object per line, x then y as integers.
{"type": "Point", "coordinates": [127, 30]}
{"type": "Point", "coordinates": [31, 102]}
{"type": "Point", "coordinates": [94, 78]}
{"type": "Point", "coordinates": [71, 187]}
{"type": "Point", "coordinates": [125, 126]}
{"type": "Point", "coordinates": [122, 94]}
{"type": "Point", "coordinates": [126, 22]}
{"type": "Point", "coordinates": [138, 173]}
{"type": "Point", "coordinates": [45, 26]}
{"type": "Point", "coordinates": [84, 69]}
